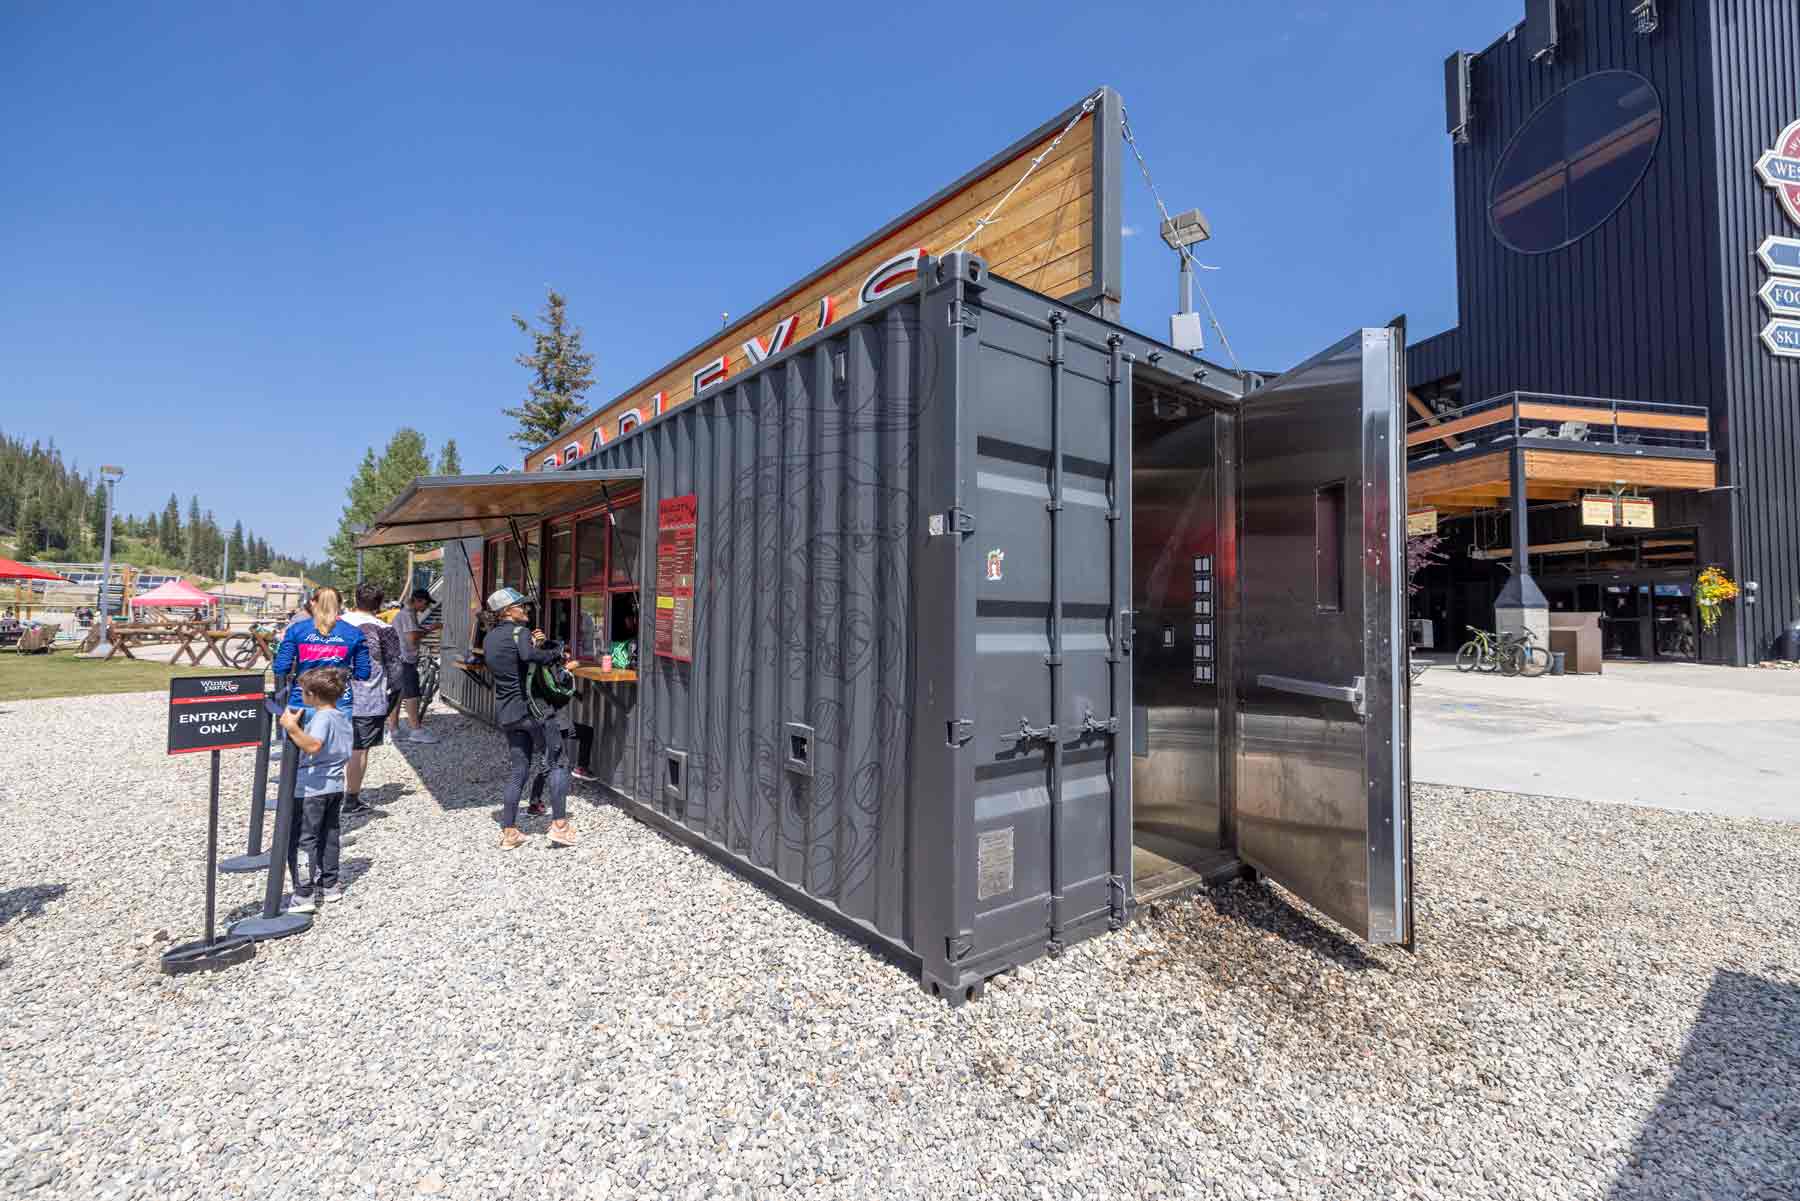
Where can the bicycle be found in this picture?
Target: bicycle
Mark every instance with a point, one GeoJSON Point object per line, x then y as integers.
{"type": "Point", "coordinates": [1508, 654]}
{"type": "Point", "coordinates": [1482, 652]}
{"type": "Point", "coordinates": [1524, 655]}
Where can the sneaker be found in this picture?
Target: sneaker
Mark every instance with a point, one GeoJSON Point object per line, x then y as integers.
{"type": "Point", "coordinates": [562, 834]}
{"type": "Point", "coordinates": [422, 736]}
{"type": "Point", "coordinates": [334, 893]}
{"type": "Point", "coordinates": [511, 840]}
{"type": "Point", "coordinates": [302, 904]}
{"type": "Point", "coordinates": [584, 775]}
{"type": "Point", "coordinates": [535, 809]}
{"type": "Point", "coordinates": [354, 805]}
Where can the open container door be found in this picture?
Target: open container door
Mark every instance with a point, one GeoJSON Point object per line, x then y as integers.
{"type": "Point", "coordinates": [1322, 803]}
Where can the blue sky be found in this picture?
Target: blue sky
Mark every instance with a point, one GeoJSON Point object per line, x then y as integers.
{"type": "Point", "coordinates": [239, 244]}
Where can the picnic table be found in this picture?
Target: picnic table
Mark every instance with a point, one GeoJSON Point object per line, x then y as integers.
{"type": "Point", "coordinates": [124, 637]}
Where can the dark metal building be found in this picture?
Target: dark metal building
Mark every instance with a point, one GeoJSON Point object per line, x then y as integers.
{"type": "Point", "coordinates": [1609, 213]}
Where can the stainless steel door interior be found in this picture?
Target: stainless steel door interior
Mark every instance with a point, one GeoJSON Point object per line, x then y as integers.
{"type": "Point", "coordinates": [1322, 804]}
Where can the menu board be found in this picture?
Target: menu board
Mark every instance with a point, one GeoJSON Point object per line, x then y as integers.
{"type": "Point", "coordinates": [676, 524]}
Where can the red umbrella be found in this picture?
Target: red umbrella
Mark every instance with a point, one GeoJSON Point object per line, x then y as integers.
{"type": "Point", "coordinates": [10, 570]}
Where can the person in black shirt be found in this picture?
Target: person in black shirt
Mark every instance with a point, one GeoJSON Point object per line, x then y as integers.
{"type": "Point", "coordinates": [511, 649]}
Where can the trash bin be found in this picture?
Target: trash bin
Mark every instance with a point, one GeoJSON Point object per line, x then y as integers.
{"type": "Point", "coordinates": [1557, 661]}
{"type": "Point", "coordinates": [1790, 641]}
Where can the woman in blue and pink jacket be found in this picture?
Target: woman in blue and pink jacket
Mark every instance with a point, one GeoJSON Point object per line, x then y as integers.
{"type": "Point", "coordinates": [324, 641]}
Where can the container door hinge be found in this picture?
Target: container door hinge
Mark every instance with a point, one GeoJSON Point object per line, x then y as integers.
{"type": "Point", "coordinates": [957, 947]}
{"type": "Point", "coordinates": [955, 520]}
{"type": "Point", "coordinates": [965, 316]}
{"type": "Point", "coordinates": [1115, 889]}
{"type": "Point", "coordinates": [1094, 725]}
{"type": "Point", "coordinates": [960, 731]}
{"type": "Point", "coordinates": [1029, 733]}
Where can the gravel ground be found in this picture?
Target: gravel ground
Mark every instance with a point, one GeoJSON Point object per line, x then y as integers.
{"type": "Point", "coordinates": [1605, 1002]}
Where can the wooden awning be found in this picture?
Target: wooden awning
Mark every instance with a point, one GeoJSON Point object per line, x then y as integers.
{"type": "Point", "coordinates": [435, 508]}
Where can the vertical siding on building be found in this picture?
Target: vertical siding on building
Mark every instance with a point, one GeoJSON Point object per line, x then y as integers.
{"type": "Point", "coordinates": [1755, 62]}
{"type": "Point", "coordinates": [1625, 311]}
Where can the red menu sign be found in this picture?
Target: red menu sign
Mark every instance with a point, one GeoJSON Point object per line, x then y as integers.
{"type": "Point", "coordinates": [676, 522]}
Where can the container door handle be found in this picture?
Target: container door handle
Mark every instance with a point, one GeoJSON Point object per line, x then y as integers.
{"type": "Point", "coordinates": [1354, 696]}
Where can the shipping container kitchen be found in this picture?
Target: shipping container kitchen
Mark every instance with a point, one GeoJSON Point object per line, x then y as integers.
{"type": "Point", "coordinates": [971, 619]}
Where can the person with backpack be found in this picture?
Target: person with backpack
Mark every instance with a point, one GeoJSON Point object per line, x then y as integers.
{"type": "Point", "coordinates": [531, 685]}
{"type": "Point", "coordinates": [369, 699]}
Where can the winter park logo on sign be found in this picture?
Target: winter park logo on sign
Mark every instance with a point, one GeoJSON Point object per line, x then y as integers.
{"type": "Point", "coordinates": [1780, 169]}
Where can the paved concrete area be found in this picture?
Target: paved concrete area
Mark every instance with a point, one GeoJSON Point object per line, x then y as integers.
{"type": "Point", "coordinates": [1678, 736]}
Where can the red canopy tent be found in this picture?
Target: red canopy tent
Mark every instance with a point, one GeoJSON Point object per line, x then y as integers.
{"type": "Point", "coordinates": [176, 594]}
{"type": "Point", "coordinates": [12, 570]}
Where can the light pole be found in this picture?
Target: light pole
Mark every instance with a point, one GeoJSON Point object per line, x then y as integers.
{"type": "Point", "coordinates": [1185, 331]}
{"type": "Point", "coordinates": [110, 476]}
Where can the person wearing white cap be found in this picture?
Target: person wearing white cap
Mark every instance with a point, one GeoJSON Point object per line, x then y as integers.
{"type": "Point", "coordinates": [511, 653]}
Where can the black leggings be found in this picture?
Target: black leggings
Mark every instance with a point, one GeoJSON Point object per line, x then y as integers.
{"type": "Point", "coordinates": [526, 741]}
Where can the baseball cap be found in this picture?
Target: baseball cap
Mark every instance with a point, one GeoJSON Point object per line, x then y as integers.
{"type": "Point", "coordinates": [506, 598]}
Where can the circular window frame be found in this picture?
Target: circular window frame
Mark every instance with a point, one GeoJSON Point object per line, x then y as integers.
{"type": "Point", "coordinates": [1525, 127]}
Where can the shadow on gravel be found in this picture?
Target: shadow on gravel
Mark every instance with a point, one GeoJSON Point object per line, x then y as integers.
{"type": "Point", "coordinates": [29, 901]}
{"type": "Point", "coordinates": [1262, 907]}
{"type": "Point", "coordinates": [350, 870]}
{"type": "Point", "coordinates": [1728, 1125]}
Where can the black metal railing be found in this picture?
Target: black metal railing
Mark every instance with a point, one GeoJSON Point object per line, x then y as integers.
{"type": "Point", "coordinates": [1564, 422]}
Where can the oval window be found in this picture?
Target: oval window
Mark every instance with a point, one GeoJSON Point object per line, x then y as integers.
{"type": "Point", "coordinates": [1575, 161]}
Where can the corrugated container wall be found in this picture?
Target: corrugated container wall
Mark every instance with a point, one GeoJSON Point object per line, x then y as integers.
{"type": "Point", "coordinates": [909, 664]}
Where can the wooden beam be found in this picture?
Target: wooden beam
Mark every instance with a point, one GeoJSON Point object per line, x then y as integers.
{"type": "Point", "coordinates": [1431, 418]}
{"type": "Point", "coordinates": [1596, 415]}
{"type": "Point", "coordinates": [1601, 471]}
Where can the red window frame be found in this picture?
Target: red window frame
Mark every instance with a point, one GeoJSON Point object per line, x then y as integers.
{"type": "Point", "coordinates": [600, 583]}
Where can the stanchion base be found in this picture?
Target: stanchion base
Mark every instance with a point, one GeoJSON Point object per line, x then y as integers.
{"type": "Point", "coordinates": [203, 956]}
{"type": "Point", "coordinates": [245, 863]}
{"type": "Point", "coordinates": [280, 926]}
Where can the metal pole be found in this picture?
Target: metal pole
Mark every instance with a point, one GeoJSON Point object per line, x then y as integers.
{"type": "Point", "coordinates": [212, 848]}
{"type": "Point", "coordinates": [272, 923]}
{"type": "Point", "coordinates": [254, 857]}
{"type": "Point", "coordinates": [105, 646]}
{"type": "Point", "coordinates": [359, 566]}
{"type": "Point", "coordinates": [1187, 284]}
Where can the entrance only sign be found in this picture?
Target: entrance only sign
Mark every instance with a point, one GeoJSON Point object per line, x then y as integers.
{"type": "Point", "coordinates": [214, 713]}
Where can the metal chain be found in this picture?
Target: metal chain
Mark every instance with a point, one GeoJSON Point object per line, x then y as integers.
{"type": "Point", "coordinates": [1087, 106]}
{"type": "Point", "coordinates": [1125, 129]}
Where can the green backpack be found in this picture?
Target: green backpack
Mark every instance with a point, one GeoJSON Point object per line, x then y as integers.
{"type": "Point", "coordinates": [548, 683]}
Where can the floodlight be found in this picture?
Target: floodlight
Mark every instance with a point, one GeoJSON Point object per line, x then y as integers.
{"type": "Point", "coordinates": [1185, 229]}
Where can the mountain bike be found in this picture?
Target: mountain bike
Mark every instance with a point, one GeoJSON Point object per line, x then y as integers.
{"type": "Point", "coordinates": [1482, 652]}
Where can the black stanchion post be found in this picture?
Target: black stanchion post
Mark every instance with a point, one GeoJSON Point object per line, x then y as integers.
{"type": "Point", "coordinates": [272, 922]}
{"type": "Point", "coordinates": [210, 952]}
{"type": "Point", "coordinates": [255, 858]}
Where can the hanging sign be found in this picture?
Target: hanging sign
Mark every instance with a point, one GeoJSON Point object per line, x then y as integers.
{"type": "Point", "coordinates": [677, 522]}
{"type": "Point", "coordinates": [1782, 338]}
{"type": "Point", "coordinates": [1781, 296]}
{"type": "Point", "coordinates": [1780, 255]}
{"type": "Point", "coordinates": [1637, 514]}
{"type": "Point", "coordinates": [1780, 170]}
{"type": "Point", "coordinates": [1596, 510]}
{"type": "Point", "coordinates": [214, 713]}
{"type": "Point", "coordinates": [1423, 521]}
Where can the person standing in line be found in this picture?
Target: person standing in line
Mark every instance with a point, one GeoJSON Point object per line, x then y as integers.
{"type": "Point", "coordinates": [323, 739]}
{"type": "Point", "coordinates": [530, 727]}
{"type": "Point", "coordinates": [325, 641]}
{"type": "Point", "coordinates": [411, 633]}
{"type": "Point", "coordinates": [369, 698]}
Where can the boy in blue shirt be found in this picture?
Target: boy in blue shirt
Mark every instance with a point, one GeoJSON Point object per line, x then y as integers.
{"type": "Point", "coordinates": [324, 744]}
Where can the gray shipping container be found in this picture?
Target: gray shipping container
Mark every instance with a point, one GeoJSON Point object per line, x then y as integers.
{"type": "Point", "coordinates": [1007, 618]}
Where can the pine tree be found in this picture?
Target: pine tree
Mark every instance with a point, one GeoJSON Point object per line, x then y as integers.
{"type": "Point", "coordinates": [168, 535]}
{"type": "Point", "coordinates": [449, 461]}
{"type": "Point", "coordinates": [239, 553]}
{"type": "Point", "coordinates": [193, 555]}
{"type": "Point", "coordinates": [28, 534]}
{"type": "Point", "coordinates": [375, 485]}
{"type": "Point", "coordinates": [96, 513]}
{"type": "Point", "coordinates": [561, 375]}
